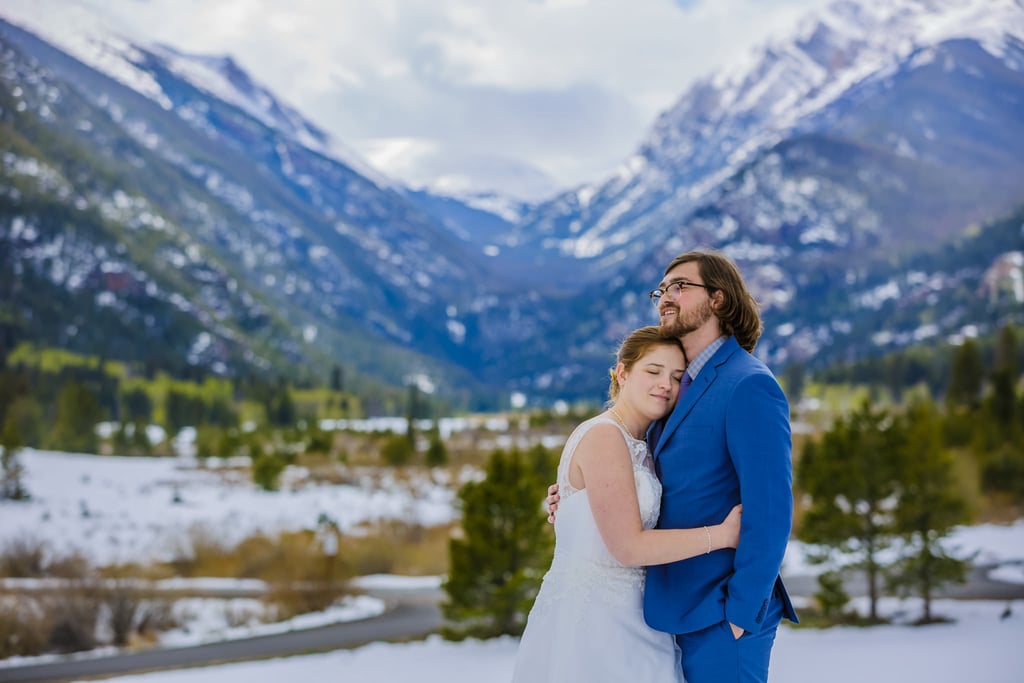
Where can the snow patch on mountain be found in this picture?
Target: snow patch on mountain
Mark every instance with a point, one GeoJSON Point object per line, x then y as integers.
{"type": "Point", "coordinates": [727, 119]}
{"type": "Point", "coordinates": [97, 39]}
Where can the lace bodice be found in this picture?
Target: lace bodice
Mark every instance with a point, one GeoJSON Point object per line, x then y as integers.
{"type": "Point", "coordinates": [582, 568]}
{"type": "Point", "coordinates": [648, 488]}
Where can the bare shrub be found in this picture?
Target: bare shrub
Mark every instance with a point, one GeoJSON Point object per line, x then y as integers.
{"type": "Point", "coordinates": [26, 556]}
{"type": "Point", "coordinates": [397, 547]}
{"type": "Point", "coordinates": [202, 552]}
{"type": "Point", "coordinates": [121, 598]}
{"type": "Point", "coordinates": [373, 553]}
{"type": "Point", "coordinates": [23, 557]}
{"type": "Point", "coordinates": [294, 598]}
{"type": "Point", "coordinates": [427, 554]}
{"type": "Point", "coordinates": [256, 556]}
{"type": "Point", "coordinates": [72, 565]}
{"type": "Point", "coordinates": [24, 627]}
{"type": "Point", "coordinates": [65, 620]}
{"type": "Point", "coordinates": [330, 474]}
{"type": "Point", "coordinates": [299, 576]}
{"type": "Point", "coordinates": [156, 616]}
{"type": "Point", "coordinates": [242, 613]}
{"type": "Point", "coordinates": [75, 614]}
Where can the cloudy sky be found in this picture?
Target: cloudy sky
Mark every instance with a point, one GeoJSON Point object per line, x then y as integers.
{"type": "Point", "coordinates": [524, 96]}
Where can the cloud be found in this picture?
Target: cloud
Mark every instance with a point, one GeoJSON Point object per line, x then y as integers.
{"type": "Point", "coordinates": [564, 87]}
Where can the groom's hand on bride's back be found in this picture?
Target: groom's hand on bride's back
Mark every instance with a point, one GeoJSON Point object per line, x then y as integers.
{"type": "Point", "coordinates": [553, 499]}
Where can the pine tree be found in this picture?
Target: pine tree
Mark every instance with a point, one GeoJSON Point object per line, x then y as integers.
{"type": "Point", "coordinates": [928, 507]}
{"type": "Point", "coordinates": [396, 450]}
{"type": "Point", "coordinates": [183, 410]}
{"type": "Point", "coordinates": [282, 411]}
{"type": "Point", "coordinates": [1004, 470]}
{"type": "Point", "coordinates": [11, 486]}
{"type": "Point", "coordinates": [497, 565]}
{"type": "Point", "coordinates": [13, 385]}
{"type": "Point", "coordinates": [831, 596]}
{"type": "Point", "coordinates": [436, 455]}
{"type": "Point", "coordinates": [967, 372]}
{"type": "Point", "coordinates": [1008, 351]}
{"type": "Point", "coordinates": [1002, 401]}
{"type": "Point", "coordinates": [852, 477]}
{"type": "Point", "coordinates": [78, 411]}
{"type": "Point", "coordinates": [267, 468]}
{"type": "Point", "coordinates": [410, 413]}
{"type": "Point", "coordinates": [26, 417]}
{"type": "Point", "coordinates": [997, 438]}
{"type": "Point", "coordinates": [795, 378]}
{"type": "Point", "coordinates": [136, 406]}
{"type": "Point", "coordinates": [131, 439]}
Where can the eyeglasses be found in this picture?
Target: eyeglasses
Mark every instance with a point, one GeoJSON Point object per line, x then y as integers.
{"type": "Point", "coordinates": [674, 290]}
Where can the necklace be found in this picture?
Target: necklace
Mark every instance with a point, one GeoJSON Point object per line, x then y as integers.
{"type": "Point", "coordinates": [622, 423]}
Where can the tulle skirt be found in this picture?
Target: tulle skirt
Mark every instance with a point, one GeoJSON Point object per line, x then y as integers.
{"type": "Point", "coordinates": [587, 625]}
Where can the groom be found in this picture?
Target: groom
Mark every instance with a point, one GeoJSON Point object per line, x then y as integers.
{"type": "Point", "coordinates": [726, 442]}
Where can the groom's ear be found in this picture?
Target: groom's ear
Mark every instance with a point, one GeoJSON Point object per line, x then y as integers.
{"type": "Point", "coordinates": [717, 300]}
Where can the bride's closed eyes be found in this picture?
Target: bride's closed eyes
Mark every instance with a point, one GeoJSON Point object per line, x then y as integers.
{"type": "Point", "coordinates": [655, 369]}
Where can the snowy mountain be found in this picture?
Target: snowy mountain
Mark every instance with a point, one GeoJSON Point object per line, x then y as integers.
{"type": "Point", "coordinates": [874, 132]}
{"type": "Point", "coordinates": [166, 207]}
{"type": "Point", "coordinates": [96, 39]}
{"type": "Point", "coordinates": [815, 81]}
{"type": "Point", "coordinates": [196, 167]}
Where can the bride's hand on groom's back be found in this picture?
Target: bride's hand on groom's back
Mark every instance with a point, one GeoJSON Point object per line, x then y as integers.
{"type": "Point", "coordinates": [730, 528]}
{"type": "Point", "coordinates": [553, 499]}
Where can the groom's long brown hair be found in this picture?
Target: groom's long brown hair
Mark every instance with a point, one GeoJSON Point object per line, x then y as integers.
{"type": "Point", "coordinates": [738, 311]}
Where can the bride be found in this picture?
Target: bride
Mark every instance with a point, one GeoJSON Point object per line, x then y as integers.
{"type": "Point", "coordinates": [587, 622]}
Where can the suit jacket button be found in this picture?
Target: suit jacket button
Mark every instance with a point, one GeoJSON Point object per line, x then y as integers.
{"type": "Point", "coordinates": [760, 613]}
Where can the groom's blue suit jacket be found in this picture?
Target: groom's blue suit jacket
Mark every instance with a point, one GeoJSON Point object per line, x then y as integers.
{"type": "Point", "coordinates": [727, 441]}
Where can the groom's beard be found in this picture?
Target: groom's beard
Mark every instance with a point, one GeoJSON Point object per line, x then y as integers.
{"type": "Point", "coordinates": [686, 322]}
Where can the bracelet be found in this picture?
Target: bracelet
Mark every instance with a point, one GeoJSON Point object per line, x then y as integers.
{"type": "Point", "coordinates": [708, 532]}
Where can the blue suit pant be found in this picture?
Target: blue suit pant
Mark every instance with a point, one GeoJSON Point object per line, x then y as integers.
{"type": "Point", "coordinates": [713, 655]}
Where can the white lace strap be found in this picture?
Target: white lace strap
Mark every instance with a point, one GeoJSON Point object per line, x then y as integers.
{"type": "Point", "coordinates": [564, 487]}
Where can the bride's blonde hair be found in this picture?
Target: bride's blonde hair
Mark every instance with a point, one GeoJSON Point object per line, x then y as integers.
{"type": "Point", "coordinates": [633, 348]}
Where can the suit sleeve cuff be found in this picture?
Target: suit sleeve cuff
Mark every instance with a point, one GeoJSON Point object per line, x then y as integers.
{"type": "Point", "coordinates": [747, 616]}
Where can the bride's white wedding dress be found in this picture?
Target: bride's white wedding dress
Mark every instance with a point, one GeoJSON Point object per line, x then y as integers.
{"type": "Point", "coordinates": [587, 623]}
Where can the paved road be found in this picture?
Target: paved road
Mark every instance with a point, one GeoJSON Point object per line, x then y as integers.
{"type": "Point", "coordinates": [408, 619]}
{"type": "Point", "coordinates": [412, 615]}
{"type": "Point", "coordinates": [978, 587]}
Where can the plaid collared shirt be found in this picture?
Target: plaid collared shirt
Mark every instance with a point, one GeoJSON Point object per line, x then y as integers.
{"type": "Point", "coordinates": [697, 364]}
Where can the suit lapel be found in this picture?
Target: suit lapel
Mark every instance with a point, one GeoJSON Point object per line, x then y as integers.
{"type": "Point", "coordinates": [685, 405]}
{"type": "Point", "coordinates": [704, 380]}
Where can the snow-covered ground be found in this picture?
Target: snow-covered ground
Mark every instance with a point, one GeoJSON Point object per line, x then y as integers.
{"type": "Point", "coordinates": [980, 647]}
{"type": "Point", "coordinates": [113, 508]}
{"type": "Point", "coordinates": [117, 509]}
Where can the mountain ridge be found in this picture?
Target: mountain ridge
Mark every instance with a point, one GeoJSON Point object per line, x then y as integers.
{"type": "Point", "coordinates": [283, 256]}
{"type": "Point", "coordinates": [724, 120]}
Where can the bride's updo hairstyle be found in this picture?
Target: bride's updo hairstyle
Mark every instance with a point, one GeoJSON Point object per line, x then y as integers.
{"type": "Point", "coordinates": [633, 348]}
